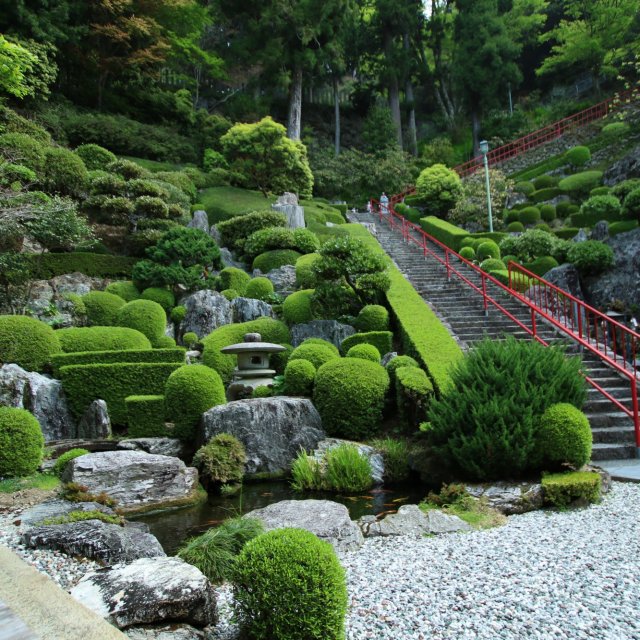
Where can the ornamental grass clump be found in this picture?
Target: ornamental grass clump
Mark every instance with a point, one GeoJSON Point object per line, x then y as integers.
{"type": "Point", "coordinates": [395, 453]}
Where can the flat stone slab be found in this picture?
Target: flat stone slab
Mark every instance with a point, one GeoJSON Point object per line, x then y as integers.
{"type": "Point", "coordinates": [509, 497]}
{"type": "Point", "coordinates": [328, 520]}
{"type": "Point", "coordinates": [149, 591]}
{"type": "Point", "coordinates": [54, 508]}
{"type": "Point", "coordinates": [157, 446]}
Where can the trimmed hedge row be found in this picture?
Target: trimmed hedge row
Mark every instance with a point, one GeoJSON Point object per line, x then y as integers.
{"type": "Point", "coordinates": [81, 339]}
{"type": "Point", "coordinates": [145, 416]}
{"type": "Point", "coordinates": [94, 265]}
{"type": "Point", "coordinates": [125, 355]}
{"type": "Point", "coordinates": [414, 392]}
{"type": "Point", "coordinates": [84, 383]}
{"type": "Point", "coordinates": [443, 231]}
{"type": "Point", "coordinates": [381, 340]}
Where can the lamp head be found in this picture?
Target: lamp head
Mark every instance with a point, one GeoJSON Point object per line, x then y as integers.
{"type": "Point", "coordinates": [484, 147]}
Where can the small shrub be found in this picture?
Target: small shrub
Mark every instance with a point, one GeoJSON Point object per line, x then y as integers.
{"type": "Point", "coordinates": [215, 551]}
{"type": "Point", "coordinates": [262, 392]}
{"type": "Point", "coordinates": [541, 265]}
{"type": "Point", "coordinates": [127, 169]}
{"type": "Point", "coordinates": [545, 182]}
{"type": "Point", "coordinates": [564, 437]}
{"type": "Point", "coordinates": [23, 149]}
{"type": "Point", "coordinates": [259, 288]}
{"type": "Point", "coordinates": [490, 265]}
{"type": "Point", "coordinates": [622, 227]}
{"type": "Point", "coordinates": [600, 191]}
{"type": "Point", "coordinates": [288, 584]}
{"type": "Point", "coordinates": [297, 307]}
{"type": "Point", "coordinates": [562, 208]}
{"type": "Point", "coordinates": [578, 156]}
{"type": "Point", "coordinates": [515, 227]}
{"type": "Point", "coordinates": [275, 259]}
{"type": "Point", "coordinates": [221, 460]}
{"type": "Point", "coordinates": [21, 443]}
{"type": "Point", "coordinates": [381, 340]}
{"type": "Point", "coordinates": [591, 257]}
{"type": "Point", "coordinates": [163, 297]}
{"type": "Point", "coordinates": [146, 416]}
{"type": "Point", "coordinates": [298, 377]}
{"type": "Point", "coordinates": [189, 339]}
{"type": "Point", "coordinates": [234, 278]}
{"type": "Point", "coordinates": [347, 470]}
{"type": "Point", "coordinates": [396, 363]}
{"type": "Point", "coordinates": [94, 156]}
{"type": "Point", "coordinates": [414, 392]}
{"type": "Point", "coordinates": [27, 342]}
{"type": "Point", "coordinates": [439, 189]}
{"type": "Point", "coordinates": [316, 354]}
{"type": "Point", "coordinates": [372, 317]}
{"type": "Point", "coordinates": [624, 188]}
{"type": "Point", "coordinates": [395, 454]}
{"type": "Point", "coordinates": [548, 212]}
{"type": "Point", "coordinates": [306, 277]}
{"type": "Point", "coordinates": [580, 183]}
{"type": "Point", "coordinates": [631, 206]}
{"type": "Point", "coordinates": [151, 207]}
{"type": "Point", "coordinates": [561, 489]}
{"type": "Point", "coordinates": [615, 130]}
{"type": "Point", "coordinates": [468, 253]}
{"type": "Point", "coordinates": [597, 208]}
{"type": "Point", "coordinates": [235, 231]}
{"type": "Point", "coordinates": [102, 308]}
{"type": "Point", "coordinates": [64, 172]}
{"type": "Point", "coordinates": [178, 314]}
{"type": "Point", "coordinates": [145, 316]}
{"type": "Point", "coordinates": [488, 249]}
{"type": "Point", "coordinates": [325, 343]}
{"type": "Point", "coordinates": [230, 294]}
{"type": "Point", "coordinates": [543, 195]}
{"type": "Point", "coordinates": [525, 188]}
{"type": "Point", "coordinates": [365, 352]}
{"type": "Point", "coordinates": [530, 215]}
{"type": "Point", "coordinates": [65, 458]}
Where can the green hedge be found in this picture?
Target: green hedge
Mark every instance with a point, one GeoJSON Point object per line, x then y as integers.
{"type": "Point", "coordinates": [381, 340]}
{"type": "Point", "coordinates": [296, 308]}
{"type": "Point", "coordinates": [542, 195]}
{"type": "Point", "coordinates": [414, 392]}
{"type": "Point", "coordinates": [145, 416]}
{"type": "Point", "coordinates": [84, 383]}
{"type": "Point", "coordinates": [566, 233]}
{"type": "Point", "coordinates": [27, 342]}
{"type": "Point", "coordinates": [94, 265]}
{"type": "Point", "coordinates": [496, 236]}
{"type": "Point", "coordinates": [125, 355]}
{"type": "Point", "coordinates": [445, 232]}
{"type": "Point", "coordinates": [75, 339]}
{"type": "Point", "coordinates": [621, 227]}
{"type": "Point", "coordinates": [275, 259]}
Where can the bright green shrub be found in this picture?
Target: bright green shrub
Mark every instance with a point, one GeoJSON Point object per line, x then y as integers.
{"type": "Point", "coordinates": [27, 342]}
{"type": "Point", "coordinates": [94, 156]}
{"type": "Point", "coordinates": [365, 352]}
{"type": "Point", "coordinates": [578, 156]}
{"type": "Point", "coordinates": [21, 443]}
{"type": "Point", "coordinates": [128, 170]}
{"type": "Point", "coordinates": [268, 239]}
{"type": "Point", "coordinates": [180, 180]}
{"type": "Point", "coordinates": [622, 227]}
{"type": "Point", "coordinates": [125, 289]}
{"type": "Point", "coordinates": [542, 195]}
{"type": "Point", "coordinates": [178, 314]}
{"type": "Point", "coordinates": [494, 236]}
{"type": "Point", "coordinates": [548, 212]}
{"type": "Point", "coordinates": [597, 208]}
{"type": "Point", "coordinates": [414, 393]}
{"type": "Point", "coordinates": [526, 188]}
{"type": "Point", "coordinates": [491, 264]}
{"type": "Point", "coordinates": [488, 249]}
{"type": "Point", "coordinates": [298, 377]}
{"type": "Point", "coordinates": [23, 149]}
{"type": "Point", "coordinates": [600, 191]}
{"type": "Point", "coordinates": [566, 232]}
{"type": "Point", "coordinates": [439, 189]}
{"type": "Point", "coordinates": [325, 343]}
{"type": "Point", "coordinates": [305, 275]}
{"type": "Point", "coordinates": [468, 253]}
{"type": "Point", "coordinates": [564, 436]}
{"type": "Point", "coordinates": [16, 173]}
{"type": "Point", "coordinates": [102, 308]}
{"type": "Point", "coordinates": [164, 342]}
{"type": "Point", "coordinates": [65, 458]}
{"type": "Point", "coordinates": [372, 317]}
{"type": "Point", "coordinates": [530, 215]}
{"type": "Point", "coordinates": [234, 278]}
{"type": "Point", "coordinates": [511, 215]}
{"type": "Point", "coordinates": [296, 308]}
{"type": "Point", "coordinates": [189, 339]}
{"type": "Point", "coordinates": [349, 394]}
{"type": "Point", "coordinates": [615, 130]}
{"type": "Point", "coordinates": [561, 489]}
{"type": "Point", "coordinates": [486, 426]}
{"type": "Point", "coordinates": [624, 188]}
{"type": "Point", "coordinates": [545, 182]}
{"type": "Point", "coordinates": [591, 257]}
{"type": "Point", "coordinates": [190, 391]}
{"type": "Point", "coordinates": [84, 383]}
{"type": "Point", "coordinates": [580, 183]}
{"type": "Point", "coordinates": [631, 206]}
{"type": "Point", "coordinates": [396, 363]}
{"type": "Point", "coordinates": [515, 227]}
{"type": "Point", "coordinates": [233, 232]}
{"type": "Point", "coordinates": [262, 392]}
{"type": "Point", "coordinates": [529, 245]}
{"type": "Point", "coordinates": [445, 232]}
{"type": "Point", "coordinates": [163, 297]}
{"type": "Point", "coordinates": [382, 340]}
{"type": "Point", "coordinates": [541, 265]}
{"type": "Point", "coordinates": [275, 259]}
{"type": "Point", "coordinates": [175, 354]}
{"type": "Point", "coordinates": [77, 339]}
{"type": "Point", "coordinates": [64, 172]}
{"type": "Point", "coordinates": [93, 265]}
{"type": "Point", "coordinates": [151, 207]}
{"type": "Point", "coordinates": [270, 330]}
{"type": "Point", "coordinates": [221, 460]}
{"type": "Point", "coordinates": [145, 316]}
{"type": "Point", "coordinates": [259, 288]}
{"type": "Point", "coordinates": [316, 354]}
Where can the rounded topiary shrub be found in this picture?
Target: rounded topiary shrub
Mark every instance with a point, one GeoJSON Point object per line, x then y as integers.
{"type": "Point", "coordinates": [298, 377]}
{"type": "Point", "coordinates": [525, 188]}
{"type": "Point", "coordinates": [600, 191]}
{"type": "Point", "coordinates": [364, 352]}
{"type": "Point", "coordinates": [230, 294]}
{"type": "Point", "coordinates": [488, 249]}
{"type": "Point", "coordinates": [275, 259]}
{"type": "Point", "coordinates": [615, 130]}
{"type": "Point", "coordinates": [544, 182]}
{"type": "Point", "coordinates": [529, 215]}
{"type": "Point", "coordinates": [23, 149]}
{"type": "Point", "coordinates": [94, 156]}
{"type": "Point", "coordinates": [590, 257]}
{"type": "Point", "coordinates": [145, 316]}
{"type": "Point", "coordinates": [580, 182]}
{"type": "Point", "coordinates": [221, 460]}
{"type": "Point", "coordinates": [511, 215]}
{"type": "Point", "coordinates": [548, 212]}
{"type": "Point", "coordinates": [259, 288]}
{"type": "Point", "coordinates": [372, 317]}
{"type": "Point", "coordinates": [468, 253]}
{"type": "Point", "coordinates": [316, 354]}
{"type": "Point", "coordinates": [189, 339]}
{"type": "Point", "coordinates": [164, 342]}
{"type": "Point", "coordinates": [125, 289]}
{"type": "Point", "coordinates": [306, 277]}
{"type": "Point", "coordinates": [151, 207]}
{"type": "Point", "coordinates": [61, 463]}
{"type": "Point", "coordinates": [541, 265]}
{"type": "Point", "coordinates": [516, 227]}
{"type": "Point", "coordinates": [396, 363]}
{"type": "Point", "coordinates": [492, 264]}
{"type": "Point", "coordinates": [349, 394]}
{"type": "Point", "coordinates": [163, 297]}
{"type": "Point", "coordinates": [234, 278]}
{"type": "Point", "coordinates": [21, 443]}
{"type": "Point", "coordinates": [632, 205]}
{"type": "Point", "coordinates": [439, 189]}
{"type": "Point", "coordinates": [296, 308]}
{"type": "Point", "coordinates": [190, 391]}
{"type": "Point", "coordinates": [102, 308]}
{"type": "Point", "coordinates": [288, 584]}
{"type": "Point", "coordinates": [27, 342]}
{"type": "Point", "coordinates": [76, 339]}
{"type": "Point", "coordinates": [64, 172]}
{"type": "Point", "coordinates": [598, 208]}
{"type": "Point", "coordinates": [178, 314]}
{"type": "Point", "coordinates": [578, 156]}
{"type": "Point", "coordinates": [564, 437]}
{"type": "Point", "coordinates": [325, 343]}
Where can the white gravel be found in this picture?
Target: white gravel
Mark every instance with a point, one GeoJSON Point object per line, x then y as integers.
{"type": "Point", "coordinates": [544, 575]}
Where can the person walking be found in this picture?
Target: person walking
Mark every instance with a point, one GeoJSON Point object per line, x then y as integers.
{"type": "Point", "coordinates": [384, 203]}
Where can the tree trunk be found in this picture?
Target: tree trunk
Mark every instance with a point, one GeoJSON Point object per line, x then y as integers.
{"type": "Point", "coordinates": [294, 120]}
{"type": "Point", "coordinates": [336, 109]}
{"type": "Point", "coordinates": [413, 134]}
{"type": "Point", "coordinates": [475, 131]}
{"type": "Point", "coordinates": [394, 89]}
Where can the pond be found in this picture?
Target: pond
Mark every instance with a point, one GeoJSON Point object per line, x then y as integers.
{"type": "Point", "coordinates": [173, 527]}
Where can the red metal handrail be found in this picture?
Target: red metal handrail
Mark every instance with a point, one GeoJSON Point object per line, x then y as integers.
{"type": "Point", "coordinates": [544, 135]}
{"type": "Point", "coordinates": [565, 312]}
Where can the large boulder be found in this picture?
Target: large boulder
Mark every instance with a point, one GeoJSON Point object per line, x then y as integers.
{"type": "Point", "coordinates": [331, 330]}
{"type": "Point", "coordinates": [288, 204]}
{"type": "Point", "coordinates": [148, 591]}
{"type": "Point", "coordinates": [283, 278]}
{"type": "Point", "coordinates": [37, 514]}
{"type": "Point", "coordinates": [158, 446]}
{"type": "Point", "coordinates": [566, 277]}
{"type": "Point", "coordinates": [138, 481]}
{"type": "Point", "coordinates": [410, 520]}
{"type": "Point", "coordinates": [205, 311]}
{"type": "Point", "coordinates": [625, 168]}
{"type": "Point", "coordinates": [328, 520]}
{"type": "Point", "coordinates": [95, 422]}
{"type": "Point", "coordinates": [42, 396]}
{"type": "Point", "coordinates": [200, 221]}
{"type": "Point", "coordinates": [246, 309]}
{"type": "Point", "coordinates": [273, 430]}
{"type": "Point", "coordinates": [226, 256]}
{"type": "Point", "coordinates": [374, 456]}
{"type": "Point", "coordinates": [94, 539]}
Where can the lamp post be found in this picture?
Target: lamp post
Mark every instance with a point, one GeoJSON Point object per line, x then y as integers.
{"type": "Point", "coordinates": [484, 149]}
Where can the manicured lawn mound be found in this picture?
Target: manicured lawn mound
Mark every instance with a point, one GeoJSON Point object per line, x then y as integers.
{"type": "Point", "coordinates": [223, 203]}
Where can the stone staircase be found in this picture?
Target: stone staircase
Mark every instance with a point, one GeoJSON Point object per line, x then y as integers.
{"type": "Point", "coordinates": [462, 312]}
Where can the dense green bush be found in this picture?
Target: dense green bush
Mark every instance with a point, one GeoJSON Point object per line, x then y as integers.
{"type": "Point", "coordinates": [270, 330]}
{"type": "Point", "coordinates": [64, 172]}
{"type": "Point", "coordinates": [235, 231]}
{"type": "Point", "coordinates": [23, 149]}
{"type": "Point", "coordinates": [597, 208]}
{"type": "Point", "coordinates": [439, 189]}
{"type": "Point", "coordinates": [543, 195]}
{"type": "Point", "coordinates": [578, 156]}
{"type": "Point", "coordinates": [529, 215]}
{"type": "Point", "coordinates": [61, 463]}
{"type": "Point", "coordinates": [306, 277]}
{"type": "Point", "coordinates": [145, 316]}
{"type": "Point", "coordinates": [562, 208]}
{"type": "Point", "coordinates": [488, 249]}
{"type": "Point", "coordinates": [289, 585]}
{"type": "Point", "coordinates": [631, 204]}
{"type": "Point", "coordinates": [175, 354]}
{"type": "Point", "coordinates": [301, 240]}
{"type": "Point", "coordinates": [600, 191]}
{"type": "Point", "coordinates": [21, 443]}
{"type": "Point", "coordinates": [591, 257]}
{"type": "Point", "coordinates": [349, 394]}
{"type": "Point", "coordinates": [580, 183]}
{"type": "Point", "coordinates": [365, 352]}
{"type": "Point", "coordinates": [27, 342]}
{"type": "Point", "coordinates": [491, 264]}
{"type": "Point", "coordinates": [515, 227]}
{"type": "Point", "coordinates": [10, 174]}
{"type": "Point", "coordinates": [615, 130]}
{"type": "Point", "coordinates": [146, 417]}
{"type": "Point", "coordinates": [414, 392]}
{"type": "Point", "coordinates": [486, 426]}
{"type": "Point", "coordinates": [316, 354]}
{"type": "Point", "coordinates": [234, 278]}
{"type": "Point", "coordinates": [230, 294]}
{"type": "Point", "coordinates": [102, 308]}
{"type": "Point", "coordinates": [529, 245]}
{"type": "Point", "coordinates": [624, 188]}
{"type": "Point", "coordinates": [163, 297]}
{"type": "Point", "coordinates": [545, 182]}
{"type": "Point", "coordinates": [93, 265]}
{"type": "Point", "coordinates": [94, 156]}
{"type": "Point", "coordinates": [178, 314]}
{"type": "Point", "coordinates": [468, 253]}
{"type": "Point", "coordinates": [189, 339]}
{"type": "Point", "coordinates": [622, 227]}
{"type": "Point", "coordinates": [396, 363]}
{"type": "Point", "coordinates": [221, 460]}
{"type": "Point", "coordinates": [84, 383]}
{"type": "Point", "coordinates": [297, 307]}
{"type": "Point", "coordinates": [566, 232]}
{"type": "Point", "coordinates": [548, 212]}
{"type": "Point", "coordinates": [561, 489]}
{"type": "Point", "coordinates": [443, 231]}
{"type": "Point", "coordinates": [526, 188]}
{"type": "Point", "coordinates": [275, 259]}
{"type": "Point", "coordinates": [259, 288]}
{"type": "Point", "coordinates": [190, 391]}
{"type": "Point", "coordinates": [381, 340]}
{"type": "Point", "coordinates": [151, 207]}
{"type": "Point", "coordinates": [541, 265]}
{"type": "Point", "coordinates": [298, 377]}
{"type": "Point", "coordinates": [179, 179]}
{"type": "Point", "coordinates": [372, 317]}
{"type": "Point", "coordinates": [564, 437]}
{"type": "Point", "coordinates": [76, 339]}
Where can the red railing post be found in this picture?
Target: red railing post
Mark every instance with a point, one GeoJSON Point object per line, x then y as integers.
{"type": "Point", "coordinates": [636, 414]}
{"type": "Point", "coordinates": [484, 292]}
{"type": "Point", "coordinates": [446, 260]}
{"type": "Point", "coordinates": [533, 322]}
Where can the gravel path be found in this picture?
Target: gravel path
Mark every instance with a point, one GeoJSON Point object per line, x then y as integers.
{"type": "Point", "coordinates": [544, 575]}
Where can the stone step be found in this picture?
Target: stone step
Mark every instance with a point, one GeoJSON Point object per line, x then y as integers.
{"type": "Point", "coordinates": [609, 419]}
{"type": "Point", "coordinates": [613, 435]}
{"type": "Point", "coordinates": [602, 451]}
{"type": "Point", "coordinates": [600, 404]}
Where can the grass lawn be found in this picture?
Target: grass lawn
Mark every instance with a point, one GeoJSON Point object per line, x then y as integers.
{"type": "Point", "coordinates": [45, 481]}
{"type": "Point", "coordinates": [222, 203]}
{"type": "Point", "coordinates": [154, 165]}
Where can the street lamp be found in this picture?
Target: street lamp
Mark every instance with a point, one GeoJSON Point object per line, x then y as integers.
{"type": "Point", "coordinates": [484, 149]}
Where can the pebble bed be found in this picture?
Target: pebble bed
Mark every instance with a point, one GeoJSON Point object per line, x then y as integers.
{"type": "Point", "coordinates": [544, 575]}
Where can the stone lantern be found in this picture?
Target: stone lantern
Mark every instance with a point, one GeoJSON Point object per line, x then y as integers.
{"type": "Point", "coordinates": [253, 365]}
